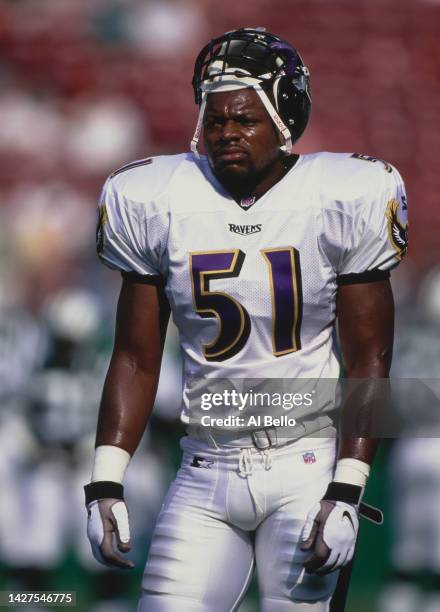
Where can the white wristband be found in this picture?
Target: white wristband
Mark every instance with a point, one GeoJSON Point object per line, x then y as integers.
{"type": "Point", "coordinates": [352, 471]}
{"type": "Point", "coordinates": [110, 463]}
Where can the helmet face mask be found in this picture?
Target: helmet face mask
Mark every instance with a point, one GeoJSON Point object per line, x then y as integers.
{"type": "Point", "coordinates": [254, 58]}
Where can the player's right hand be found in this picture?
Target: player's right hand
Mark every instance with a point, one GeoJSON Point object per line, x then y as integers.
{"type": "Point", "coordinates": [108, 527]}
{"type": "Point", "coordinates": [329, 535]}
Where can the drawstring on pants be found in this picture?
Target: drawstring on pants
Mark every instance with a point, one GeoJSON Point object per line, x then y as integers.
{"type": "Point", "coordinates": [267, 459]}
{"type": "Point", "coordinates": [246, 468]}
{"type": "Point", "coordinates": [245, 462]}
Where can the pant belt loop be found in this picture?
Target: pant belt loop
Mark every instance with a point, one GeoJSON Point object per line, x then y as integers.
{"type": "Point", "coordinates": [265, 438]}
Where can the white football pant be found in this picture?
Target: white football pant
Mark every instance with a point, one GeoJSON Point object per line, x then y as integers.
{"type": "Point", "coordinates": [231, 509]}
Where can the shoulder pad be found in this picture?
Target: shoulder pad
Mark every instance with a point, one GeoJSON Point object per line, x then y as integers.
{"type": "Point", "coordinates": [147, 178]}
{"type": "Point", "coordinates": [353, 176]}
{"type": "Point", "coordinates": [135, 164]}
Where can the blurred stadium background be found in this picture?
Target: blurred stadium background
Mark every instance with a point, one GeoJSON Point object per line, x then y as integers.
{"type": "Point", "coordinates": [87, 85]}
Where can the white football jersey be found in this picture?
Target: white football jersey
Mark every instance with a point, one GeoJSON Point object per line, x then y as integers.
{"type": "Point", "coordinates": [253, 291]}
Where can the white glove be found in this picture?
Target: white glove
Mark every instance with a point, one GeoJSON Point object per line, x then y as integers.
{"type": "Point", "coordinates": [332, 525]}
{"type": "Point", "coordinates": [108, 523]}
{"type": "Point", "coordinates": [330, 533]}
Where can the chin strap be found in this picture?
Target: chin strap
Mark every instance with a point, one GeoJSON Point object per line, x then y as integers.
{"type": "Point", "coordinates": [287, 146]}
{"type": "Point", "coordinates": [279, 123]}
{"type": "Point", "coordinates": [198, 130]}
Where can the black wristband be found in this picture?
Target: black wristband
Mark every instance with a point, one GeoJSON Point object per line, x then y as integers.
{"type": "Point", "coordinates": [103, 489]}
{"type": "Point", "coordinates": [344, 492]}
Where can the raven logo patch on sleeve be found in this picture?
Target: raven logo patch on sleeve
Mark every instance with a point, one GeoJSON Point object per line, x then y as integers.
{"type": "Point", "coordinates": [370, 158]}
{"type": "Point", "coordinates": [398, 226]}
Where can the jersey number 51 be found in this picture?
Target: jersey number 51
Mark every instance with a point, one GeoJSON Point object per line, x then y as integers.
{"type": "Point", "coordinates": [234, 324]}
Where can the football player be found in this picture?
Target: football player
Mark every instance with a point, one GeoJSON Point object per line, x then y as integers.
{"type": "Point", "coordinates": [256, 251]}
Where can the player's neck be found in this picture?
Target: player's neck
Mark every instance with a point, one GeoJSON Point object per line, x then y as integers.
{"type": "Point", "coordinates": [255, 188]}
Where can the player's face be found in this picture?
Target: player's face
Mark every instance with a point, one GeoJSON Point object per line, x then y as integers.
{"type": "Point", "coordinates": [240, 138]}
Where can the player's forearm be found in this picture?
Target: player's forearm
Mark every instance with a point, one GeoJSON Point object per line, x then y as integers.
{"type": "Point", "coordinates": [365, 382]}
{"type": "Point", "coordinates": [362, 449]}
{"type": "Point", "coordinates": [369, 376]}
{"type": "Point", "coordinates": [127, 401]}
{"type": "Point", "coordinates": [375, 362]}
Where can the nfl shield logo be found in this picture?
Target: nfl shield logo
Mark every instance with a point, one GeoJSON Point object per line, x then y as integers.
{"type": "Point", "coordinates": [248, 202]}
{"type": "Point", "coordinates": [309, 457]}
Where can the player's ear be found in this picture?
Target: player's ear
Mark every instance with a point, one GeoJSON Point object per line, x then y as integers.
{"type": "Point", "coordinates": [280, 138]}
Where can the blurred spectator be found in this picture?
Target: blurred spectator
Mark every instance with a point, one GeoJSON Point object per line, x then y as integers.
{"type": "Point", "coordinates": [50, 227]}
{"type": "Point", "coordinates": [103, 133]}
{"type": "Point", "coordinates": [31, 125]}
{"type": "Point", "coordinates": [164, 30]}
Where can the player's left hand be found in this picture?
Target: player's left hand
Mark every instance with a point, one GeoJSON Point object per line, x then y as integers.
{"type": "Point", "coordinates": [329, 534]}
{"type": "Point", "coordinates": [108, 527]}
{"type": "Point", "coordinates": [108, 519]}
